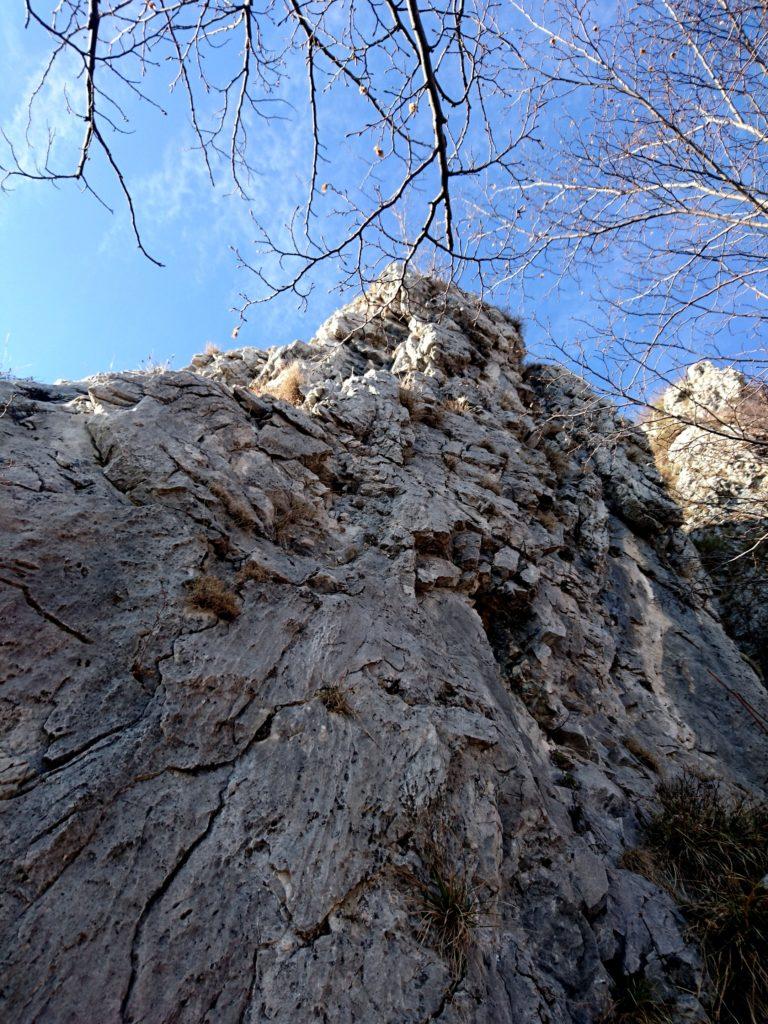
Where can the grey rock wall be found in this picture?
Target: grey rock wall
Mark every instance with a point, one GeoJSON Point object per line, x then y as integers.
{"type": "Point", "coordinates": [194, 831]}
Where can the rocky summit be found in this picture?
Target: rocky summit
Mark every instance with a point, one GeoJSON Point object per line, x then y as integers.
{"type": "Point", "coordinates": [709, 434]}
{"type": "Point", "coordinates": [306, 649]}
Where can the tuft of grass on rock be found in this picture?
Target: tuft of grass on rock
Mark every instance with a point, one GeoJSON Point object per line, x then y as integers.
{"type": "Point", "coordinates": [705, 835]}
{"type": "Point", "coordinates": [286, 386]}
{"type": "Point", "coordinates": [458, 405]}
{"type": "Point", "coordinates": [661, 431]}
{"type": "Point", "coordinates": [294, 515]}
{"type": "Point", "coordinates": [419, 410]}
{"type": "Point", "coordinates": [561, 760]}
{"type": "Point", "coordinates": [711, 852]}
{"type": "Point", "coordinates": [407, 399]}
{"type": "Point", "coordinates": [253, 571]}
{"type": "Point", "coordinates": [336, 701]}
{"type": "Point", "coordinates": [211, 594]}
{"type": "Point", "coordinates": [447, 905]}
{"type": "Point", "coordinates": [642, 753]}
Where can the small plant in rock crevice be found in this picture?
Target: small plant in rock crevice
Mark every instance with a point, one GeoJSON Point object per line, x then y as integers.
{"type": "Point", "coordinates": [458, 405]}
{"type": "Point", "coordinates": [335, 700]}
{"type": "Point", "coordinates": [419, 410]}
{"type": "Point", "coordinates": [210, 594]}
{"type": "Point", "coordinates": [661, 431]}
{"type": "Point", "coordinates": [254, 571]}
{"type": "Point", "coordinates": [642, 753]}
{"type": "Point", "coordinates": [294, 515]}
{"type": "Point", "coordinates": [446, 903]}
{"type": "Point", "coordinates": [287, 386]}
{"type": "Point", "coordinates": [407, 399]}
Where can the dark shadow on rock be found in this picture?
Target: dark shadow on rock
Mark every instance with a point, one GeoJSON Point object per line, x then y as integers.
{"type": "Point", "coordinates": [737, 561]}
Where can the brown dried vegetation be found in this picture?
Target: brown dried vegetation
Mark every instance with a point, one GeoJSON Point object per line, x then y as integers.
{"type": "Point", "coordinates": [446, 903]}
{"type": "Point", "coordinates": [641, 752]}
{"type": "Point", "coordinates": [286, 386]}
{"type": "Point", "coordinates": [420, 411]}
{"type": "Point", "coordinates": [711, 852]}
{"type": "Point", "coordinates": [294, 515]}
{"type": "Point", "coordinates": [336, 701]}
{"type": "Point", "coordinates": [253, 571]}
{"type": "Point", "coordinates": [210, 594]}
{"type": "Point", "coordinates": [637, 1002]}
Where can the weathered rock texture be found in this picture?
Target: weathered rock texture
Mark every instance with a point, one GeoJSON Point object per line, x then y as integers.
{"type": "Point", "coordinates": [711, 439]}
{"type": "Point", "coordinates": [197, 828]}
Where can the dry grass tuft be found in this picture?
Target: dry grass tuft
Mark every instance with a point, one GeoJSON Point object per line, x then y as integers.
{"type": "Point", "coordinates": [642, 863]}
{"type": "Point", "coordinates": [747, 418]}
{"type": "Point", "coordinates": [661, 430]}
{"type": "Point", "coordinates": [294, 514]}
{"type": "Point", "coordinates": [712, 853]}
{"type": "Point", "coordinates": [211, 594]}
{"type": "Point", "coordinates": [420, 411]}
{"type": "Point", "coordinates": [752, 414]}
{"type": "Point", "coordinates": [237, 508]}
{"type": "Point", "coordinates": [458, 405]}
{"type": "Point", "coordinates": [560, 461]}
{"type": "Point", "coordinates": [286, 386]}
{"type": "Point", "coordinates": [491, 483]}
{"type": "Point", "coordinates": [336, 701]}
{"type": "Point", "coordinates": [152, 367]}
{"type": "Point", "coordinates": [561, 760]}
{"type": "Point", "coordinates": [704, 834]}
{"type": "Point", "coordinates": [253, 571]}
{"type": "Point", "coordinates": [447, 905]}
{"type": "Point", "coordinates": [407, 399]}
{"type": "Point", "coordinates": [512, 318]}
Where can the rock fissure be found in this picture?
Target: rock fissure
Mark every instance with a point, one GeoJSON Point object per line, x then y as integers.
{"type": "Point", "coordinates": [44, 613]}
{"type": "Point", "coordinates": [158, 895]}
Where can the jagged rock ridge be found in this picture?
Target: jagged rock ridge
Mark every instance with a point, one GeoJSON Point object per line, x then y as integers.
{"type": "Point", "coordinates": [515, 631]}
{"type": "Point", "coordinates": [710, 435]}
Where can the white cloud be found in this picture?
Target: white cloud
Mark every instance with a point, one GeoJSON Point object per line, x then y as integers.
{"type": "Point", "coordinates": [40, 113]}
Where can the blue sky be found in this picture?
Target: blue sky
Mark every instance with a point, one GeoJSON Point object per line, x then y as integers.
{"type": "Point", "coordinates": [76, 296]}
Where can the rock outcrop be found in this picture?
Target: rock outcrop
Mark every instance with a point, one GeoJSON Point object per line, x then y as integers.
{"type": "Point", "coordinates": [268, 667]}
{"type": "Point", "coordinates": [710, 435]}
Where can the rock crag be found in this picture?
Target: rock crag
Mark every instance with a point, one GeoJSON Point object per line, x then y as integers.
{"type": "Point", "coordinates": [267, 665]}
{"type": "Point", "coordinates": [711, 438]}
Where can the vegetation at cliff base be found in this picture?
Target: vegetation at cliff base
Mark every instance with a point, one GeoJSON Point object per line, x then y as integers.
{"type": "Point", "coordinates": [712, 852]}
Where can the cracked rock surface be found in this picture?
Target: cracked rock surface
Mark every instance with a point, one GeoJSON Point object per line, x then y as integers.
{"type": "Point", "coordinates": [456, 616]}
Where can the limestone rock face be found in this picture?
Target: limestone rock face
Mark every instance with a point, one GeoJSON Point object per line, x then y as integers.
{"type": "Point", "coordinates": [265, 666]}
{"type": "Point", "coordinates": [713, 445]}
